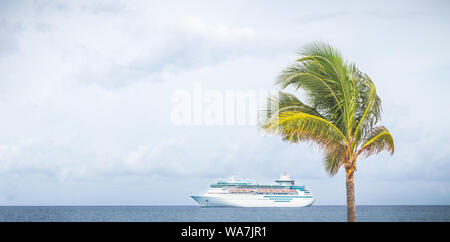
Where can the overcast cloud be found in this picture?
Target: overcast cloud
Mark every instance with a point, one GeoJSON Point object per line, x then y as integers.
{"type": "Point", "coordinates": [85, 97]}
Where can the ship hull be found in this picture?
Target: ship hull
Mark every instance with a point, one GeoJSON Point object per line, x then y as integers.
{"type": "Point", "coordinates": [254, 201]}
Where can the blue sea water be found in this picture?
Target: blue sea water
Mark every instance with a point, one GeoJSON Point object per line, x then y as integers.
{"type": "Point", "coordinates": [315, 213]}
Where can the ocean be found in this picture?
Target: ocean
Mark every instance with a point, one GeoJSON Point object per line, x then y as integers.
{"type": "Point", "coordinates": [316, 213]}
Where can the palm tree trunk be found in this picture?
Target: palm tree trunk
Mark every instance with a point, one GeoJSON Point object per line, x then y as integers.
{"type": "Point", "coordinates": [351, 208]}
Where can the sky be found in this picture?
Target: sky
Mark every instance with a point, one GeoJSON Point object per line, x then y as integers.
{"type": "Point", "coordinates": [88, 93]}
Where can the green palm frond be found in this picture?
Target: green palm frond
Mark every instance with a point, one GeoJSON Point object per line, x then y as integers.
{"type": "Point", "coordinates": [368, 106]}
{"type": "Point", "coordinates": [376, 141]}
{"type": "Point", "coordinates": [284, 102]}
{"type": "Point", "coordinates": [332, 161]}
{"type": "Point", "coordinates": [296, 125]}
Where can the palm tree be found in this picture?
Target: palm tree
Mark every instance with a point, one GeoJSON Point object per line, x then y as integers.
{"type": "Point", "coordinates": [340, 116]}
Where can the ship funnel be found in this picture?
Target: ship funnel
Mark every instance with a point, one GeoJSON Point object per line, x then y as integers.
{"type": "Point", "coordinates": [285, 179]}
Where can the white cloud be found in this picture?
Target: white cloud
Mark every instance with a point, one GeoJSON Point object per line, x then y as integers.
{"type": "Point", "coordinates": [219, 32]}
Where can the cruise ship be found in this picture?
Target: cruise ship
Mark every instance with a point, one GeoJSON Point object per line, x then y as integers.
{"type": "Point", "coordinates": [242, 193]}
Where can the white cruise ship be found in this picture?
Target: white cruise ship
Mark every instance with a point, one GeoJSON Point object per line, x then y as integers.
{"type": "Point", "coordinates": [239, 193]}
